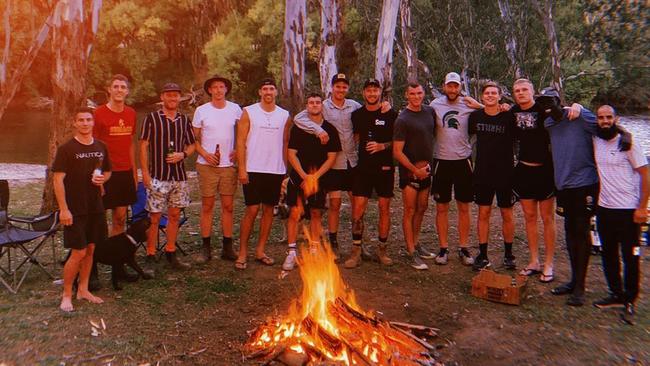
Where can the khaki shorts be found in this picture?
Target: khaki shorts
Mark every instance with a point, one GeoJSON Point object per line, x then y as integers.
{"type": "Point", "coordinates": [213, 180]}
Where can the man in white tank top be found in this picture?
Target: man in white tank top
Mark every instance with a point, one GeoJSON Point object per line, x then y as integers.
{"type": "Point", "coordinates": [262, 139]}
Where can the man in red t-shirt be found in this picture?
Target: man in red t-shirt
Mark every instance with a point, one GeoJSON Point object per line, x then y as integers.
{"type": "Point", "coordinates": [115, 126]}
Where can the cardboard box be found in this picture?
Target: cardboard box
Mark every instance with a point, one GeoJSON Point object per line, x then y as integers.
{"type": "Point", "coordinates": [496, 287]}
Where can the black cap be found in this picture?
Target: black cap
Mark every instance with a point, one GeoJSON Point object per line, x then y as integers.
{"type": "Point", "coordinates": [371, 82]}
{"type": "Point", "coordinates": [267, 81]}
{"type": "Point", "coordinates": [208, 83]}
{"type": "Point", "coordinates": [549, 92]}
{"type": "Point", "coordinates": [170, 87]}
{"type": "Point", "coordinates": [340, 77]}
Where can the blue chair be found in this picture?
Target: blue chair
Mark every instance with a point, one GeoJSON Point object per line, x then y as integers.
{"type": "Point", "coordinates": [16, 233]}
{"type": "Point", "coordinates": [139, 211]}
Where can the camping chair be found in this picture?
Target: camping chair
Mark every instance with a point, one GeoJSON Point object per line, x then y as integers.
{"type": "Point", "coordinates": [139, 211]}
{"type": "Point", "coordinates": [15, 235]}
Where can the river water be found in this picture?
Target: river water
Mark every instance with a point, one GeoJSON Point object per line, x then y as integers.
{"type": "Point", "coordinates": [24, 135]}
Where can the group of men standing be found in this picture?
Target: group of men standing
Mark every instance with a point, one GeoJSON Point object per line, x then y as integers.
{"type": "Point", "coordinates": [337, 145]}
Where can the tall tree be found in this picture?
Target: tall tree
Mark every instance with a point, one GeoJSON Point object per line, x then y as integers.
{"type": "Point", "coordinates": [511, 41]}
{"type": "Point", "coordinates": [545, 11]}
{"type": "Point", "coordinates": [330, 16]}
{"type": "Point", "coordinates": [72, 37]}
{"type": "Point", "coordinates": [410, 51]}
{"type": "Point", "coordinates": [293, 68]}
{"type": "Point", "coordinates": [10, 85]}
{"type": "Point", "coordinates": [385, 40]}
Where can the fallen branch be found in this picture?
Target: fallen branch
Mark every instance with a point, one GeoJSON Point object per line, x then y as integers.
{"type": "Point", "coordinates": [98, 357]}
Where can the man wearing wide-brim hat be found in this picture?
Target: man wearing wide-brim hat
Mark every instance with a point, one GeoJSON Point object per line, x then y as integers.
{"type": "Point", "coordinates": [214, 125]}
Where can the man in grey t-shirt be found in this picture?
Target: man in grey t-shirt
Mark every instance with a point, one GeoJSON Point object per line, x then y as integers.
{"type": "Point", "coordinates": [413, 149]}
{"type": "Point", "coordinates": [452, 165]}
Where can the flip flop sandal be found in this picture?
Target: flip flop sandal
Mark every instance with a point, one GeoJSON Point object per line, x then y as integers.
{"type": "Point", "coordinates": [529, 271]}
{"type": "Point", "coordinates": [265, 260]}
{"type": "Point", "coordinates": [544, 278]}
{"type": "Point", "coordinates": [241, 265]}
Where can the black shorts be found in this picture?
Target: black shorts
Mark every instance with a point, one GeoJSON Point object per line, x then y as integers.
{"type": "Point", "coordinates": [534, 182]}
{"type": "Point", "coordinates": [85, 229]}
{"type": "Point", "coordinates": [339, 180]}
{"type": "Point", "coordinates": [379, 179]}
{"type": "Point", "coordinates": [294, 193]}
{"type": "Point", "coordinates": [263, 188]}
{"type": "Point", "coordinates": [120, 190]}
{"type": "Point", "coordinates": [576, 202]}
{"type": "Point", "coordinates": [452, 173]}
{"type": "Point", "coordinates": [484, 195]}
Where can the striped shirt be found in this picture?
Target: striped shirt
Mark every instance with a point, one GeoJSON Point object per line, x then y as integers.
{"type": "Point", "coordinates": [161, 131]}
{"type": "Point", "coordinates": [620, 183]}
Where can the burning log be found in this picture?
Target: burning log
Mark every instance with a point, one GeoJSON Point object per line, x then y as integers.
{"type": "Point", "coordinates": [326, 326]}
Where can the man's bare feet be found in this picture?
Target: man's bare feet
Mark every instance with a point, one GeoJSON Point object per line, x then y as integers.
{"type": "Point", "coordinates": [89, 297]}
{"type": "Point", "coordinates": [66, 304]}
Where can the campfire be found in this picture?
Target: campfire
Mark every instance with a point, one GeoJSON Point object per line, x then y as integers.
{"type": "Point", "coordinates": [326, 326]}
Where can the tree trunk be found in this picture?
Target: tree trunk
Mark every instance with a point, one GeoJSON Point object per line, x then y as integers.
{"type": "Point", "coordinates": [546, 13]}
{"type": "Point", "coordinates": [385, 39]}
{"type": "Point", "coordinates": [5, 53]}
{"type": "Point", "coordinates": [9, 85]}
{"type": "Point", "coordinates": [410, 51]}
{"type": "Point", "coordinates": [293, 69]}
{"type": "Point", "coordinates": [72, 39]}
{"type": "Point", "coordinates": [330, 15]}
{"type": "Point", "coordinates": [511, 41]}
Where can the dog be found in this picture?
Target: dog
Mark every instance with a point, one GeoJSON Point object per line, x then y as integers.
{"type": "Point", "coordinates": [120, 249]}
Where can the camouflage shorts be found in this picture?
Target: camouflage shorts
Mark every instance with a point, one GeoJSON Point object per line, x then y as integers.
{"type": "Point", "coordinates": [167, 193]}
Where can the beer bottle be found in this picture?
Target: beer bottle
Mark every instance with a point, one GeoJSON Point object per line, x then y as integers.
{"type": "Point", "coordinates": [98, 166]}
{"type": "Point", "coordinates": [170, 149]}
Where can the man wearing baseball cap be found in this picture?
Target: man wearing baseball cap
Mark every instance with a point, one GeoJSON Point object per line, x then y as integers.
{"type": "Point", "coordinates": [262, 143]}
{"type": "Point", "coordinates": [166, 141]}
{"type": "Point", "coordinates": [452, 167]}
{"type": "Point", "coordinates": [373, 131]}
{"type": "Point", "coordinates": [337, 110]}
{"type": "Point", "coordinates": [214, 125]}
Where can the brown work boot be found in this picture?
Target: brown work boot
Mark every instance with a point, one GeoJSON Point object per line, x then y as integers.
{"type": "Point", "coordinates": [355, 257]}
{"type": "Point", "coordinates": [383, 257]}
{"type": "Point", "coordinates": [228, 253]}
{"type": "Point", "coordinates": [206, 254]}
{"type": "Point", "coordinates": [174, 262]}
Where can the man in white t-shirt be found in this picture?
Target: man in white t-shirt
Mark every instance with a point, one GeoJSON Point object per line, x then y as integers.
{"type": "Point", "coordinates": [214, 125]}
{"type": "Point", "coordinates": [262, 141]}
{"type": "Point", "coordinates": [622, 207]}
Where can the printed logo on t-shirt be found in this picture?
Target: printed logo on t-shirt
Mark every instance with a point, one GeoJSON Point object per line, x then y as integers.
{"type": "Point", "coordinates": [526, 120]}
{"type": "Point", "coordinates": [121, 129]}
{"type": "Point", "coordinates": [449, 120]}
{"type": "Point", "coordinates": [89, 155]}
{"type": "Point", "coordinates": [379, 122]}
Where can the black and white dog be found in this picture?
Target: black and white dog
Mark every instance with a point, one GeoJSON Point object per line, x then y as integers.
{"type": "Point", "coordinates": [120, 249]}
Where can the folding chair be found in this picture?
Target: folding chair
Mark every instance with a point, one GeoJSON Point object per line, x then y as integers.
{"type": "Point", "coordinates": [139, 211]}
{"type": "Point", "coordinates": [15, 235]}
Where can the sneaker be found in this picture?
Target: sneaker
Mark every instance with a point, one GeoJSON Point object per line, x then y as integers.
{"type": "Point", "coordinates": [465, 257]}
{"type": "Point", "coordinates": [610, 301]}
{"type": "Point", "coordinates": [481, 263]}
{"type": "Point", "coordinates": [442, 258]}
{"type": "Point", "coordinates": [628, 313]}
{"type": "Point", "coordinates": [424, 252]}
{"type": "Point", "coordinates": [290, 261]}
{"type": "Point", "coordinates": [509, 262]}
{"type": "Point", "coordinates": [417, 262]}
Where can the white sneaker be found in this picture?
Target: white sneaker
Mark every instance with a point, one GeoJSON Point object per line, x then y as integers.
{"type": "Point", "coordinates": [417, 262]}
{"type": "Point", "coordinates": [465, 258]}
{"type": "Point", "coordinates": [290, 261]}
{"type": "Point", "coordinates": [442, 259]}
{"type": "Point", "coordinates": [424, 252]}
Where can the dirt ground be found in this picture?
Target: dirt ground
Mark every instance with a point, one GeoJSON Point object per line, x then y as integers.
{"type": "Point", "coordinates": [201, 316]}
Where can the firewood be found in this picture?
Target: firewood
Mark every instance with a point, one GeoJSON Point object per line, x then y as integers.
{"type": "Point", "coordinates": [418, 340]}
{"type": "Point", "coordinates": [292, 358]}
{"type": "Point", "coordinates": [341, 303]}
{"type": "Point", "coordinates": [432, 331]}
{"type": "Point", "coordinates": [277, 351]}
